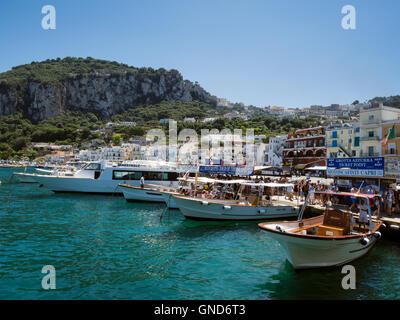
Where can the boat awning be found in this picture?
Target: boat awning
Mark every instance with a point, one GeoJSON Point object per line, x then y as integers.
{"type": "Point", "coordinates": [269, 184]}
{"type": "Point", "coordinates": [300, 166]}
{"type": "Point", "coordinates": [348, 194]}
{"type": "Point", "coordinates": [317, 168]}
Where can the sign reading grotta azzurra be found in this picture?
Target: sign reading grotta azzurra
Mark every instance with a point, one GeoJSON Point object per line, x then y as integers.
{"type": "Point", "coordinates": [356, 167]}
{"type": "Point", "coordinates": [237, 171]}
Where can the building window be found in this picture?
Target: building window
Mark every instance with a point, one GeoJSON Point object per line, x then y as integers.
{"type": "Point", "coordinates": [356, 141]}
{"type": "Point", "coordinates": [353, 153]}
{"type": "Point", "coordinates": [370, 133]}
{"type": "Point", "coordinates": [334, 143]}
{"type": "Point", "coordinates": [370, 151]}
{"type": "Point", "coordinates": [371, 117]}
{"type": "Point", "coordinates": [334, 134]}
{"type": "Point", "coordinates": [392, 148]}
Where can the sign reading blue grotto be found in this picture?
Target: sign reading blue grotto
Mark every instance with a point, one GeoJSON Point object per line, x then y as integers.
{"type": "Point", "coordinates": [356, 167]}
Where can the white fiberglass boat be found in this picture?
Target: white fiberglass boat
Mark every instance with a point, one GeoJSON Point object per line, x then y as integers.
{"type": "Point", "coordinates": [331, 239]}
{"type": "Point", "coordinates": [243, 205]}
{"type": "Point", "coordinates": [104, 177]}
{"type": "Point", "coordinates": [150, 193]}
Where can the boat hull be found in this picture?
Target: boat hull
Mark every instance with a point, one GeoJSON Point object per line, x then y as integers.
{"type": "Point", "coordinates": [87, 185]}
{"type": "Point", "coordinates": [305, 252]}
{"type": "Point", "coordinates": [199, 209]}
{"type": "Point", "coordinates": [24, 177]}
{"type": "Point", "coordinates": [148, 195]}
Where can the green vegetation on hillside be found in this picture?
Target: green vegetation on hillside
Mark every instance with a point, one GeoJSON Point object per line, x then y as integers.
{"type": "Point", "coordinates": [77, 128]}
{"type": "Point", "coordinates": [392, 101]}
{"type": "Point", "coordinates": [57, 70]}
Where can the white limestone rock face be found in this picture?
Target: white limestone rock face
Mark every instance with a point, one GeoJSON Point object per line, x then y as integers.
{"type": "Point", "coordinates": [101, 94]}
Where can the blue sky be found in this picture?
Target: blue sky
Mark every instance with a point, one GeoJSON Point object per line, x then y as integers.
{"type": "Point", "coordinates": [289, 52]}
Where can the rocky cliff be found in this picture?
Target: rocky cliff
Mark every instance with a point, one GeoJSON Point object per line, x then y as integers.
{"type": "Point", "coordinates": [39, 95]}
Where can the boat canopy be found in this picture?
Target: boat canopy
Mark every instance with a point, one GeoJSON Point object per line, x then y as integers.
{"type": "Point", "coordinates": [317, 168]}
{"type": "Point", "coordinates": [239, 181]}
{"type": "Point", "coordinates": [209, 180]}
{"type": "Point", "coordinates": [269, 184]}
{"type": "Point", "coordinates": [348, 194]}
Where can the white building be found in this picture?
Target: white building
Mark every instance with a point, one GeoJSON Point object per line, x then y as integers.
{"type": "Point", "coordinates": [192, 120]}
{"type": "Point", "coordinates": [274, 152]}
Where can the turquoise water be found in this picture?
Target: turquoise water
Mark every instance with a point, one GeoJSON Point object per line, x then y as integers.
{"type": "Point", "coordinates": [106, 248]}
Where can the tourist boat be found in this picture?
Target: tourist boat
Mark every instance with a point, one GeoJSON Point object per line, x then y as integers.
{"type": "Point", "coordinates": [27, 177]}
{"type": "Point", "coordinates": [257, 206]}
{"type": "Point", "coordinates": [150, 193]}
{"type": "Point", "coordinates": [159, 193]}
{"type": "Point", "coordinates": [104, 177]}
{"type": "Point", "coordinates": [330, 239]}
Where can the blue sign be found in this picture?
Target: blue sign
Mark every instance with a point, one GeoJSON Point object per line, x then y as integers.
{"type": "Point", "coordinates": [356, 167]}
{"type": "Point", "coordinates": [231, 170]}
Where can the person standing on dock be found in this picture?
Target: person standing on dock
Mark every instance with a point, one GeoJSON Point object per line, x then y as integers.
{"type": "Point", "coordinates": [142, 182]}
{"type": "Point", "coordinates": [370, 190]}
{"type": "Point", "coordinates": [389, 201]}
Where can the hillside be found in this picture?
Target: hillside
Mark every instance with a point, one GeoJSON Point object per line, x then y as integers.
{"type": "Point", "coordinates": [43, 90]}
{"type": "Point", "coordinates": [392, 101]}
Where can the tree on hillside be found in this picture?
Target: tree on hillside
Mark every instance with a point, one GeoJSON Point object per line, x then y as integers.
{"type": "Point", "coordinates": [117, 139]}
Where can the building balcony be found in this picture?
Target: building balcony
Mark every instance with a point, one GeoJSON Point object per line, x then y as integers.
{"type": "Point", "coordinates": [369, 154]}
{"type": "Point", "coordinates": [303, 147]}
{"type": "Point", "coordinates": [374, 138]}
{"type": "Point", "coordinates": [368, 122]}
{"type": "Point", "coordinates": [306, 137]}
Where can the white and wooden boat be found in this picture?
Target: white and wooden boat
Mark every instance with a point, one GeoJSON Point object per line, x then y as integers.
{"type": "Point", "coordinates": [330, 239]}
{"type": "Point", "coordinates": [253, 207]}
{"type": "Point", "coordinates": [150, 193]}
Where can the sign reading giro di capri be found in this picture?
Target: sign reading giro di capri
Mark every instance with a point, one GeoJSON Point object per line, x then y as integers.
{"type": "Point", "coordinates": [356, 167]}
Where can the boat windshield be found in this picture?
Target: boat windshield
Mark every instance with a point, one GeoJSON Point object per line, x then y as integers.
{"type": "Point", "coordinates": [92, 166]}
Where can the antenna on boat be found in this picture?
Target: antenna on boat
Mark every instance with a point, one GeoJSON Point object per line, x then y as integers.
{"type": "Point", "coordinates": [300, 217]}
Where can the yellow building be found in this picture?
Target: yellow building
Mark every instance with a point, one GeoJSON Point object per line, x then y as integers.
{"type": "Point", "coordinates": [343, 140]}
{"type": "Point", "coordinates": [372, 121]}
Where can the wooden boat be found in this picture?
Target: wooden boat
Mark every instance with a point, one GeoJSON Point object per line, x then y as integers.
{"type": "Point", "coordinates": [150, 193]}
{"type": "Point", "coordinates": [330, 239]}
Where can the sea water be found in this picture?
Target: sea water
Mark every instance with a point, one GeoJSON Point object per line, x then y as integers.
{"type": "Point", "coordinates": [103, 247]}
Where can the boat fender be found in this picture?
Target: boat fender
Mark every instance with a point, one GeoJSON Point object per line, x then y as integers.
{"type": "Point", "coordinates": [377, 235]}
{"type": "Point", "coordinates": [279, 228]}
{"type": "Point", "coordinates": [204, 203]}
{"type": "Point", "coordinates": [383, 225]}
{"type": "Point", "coordinates": [261, 210]}
{"type": "Point", "coordinates": [364, 241]}
{"type": "Point", "coordinates": [227, 207]}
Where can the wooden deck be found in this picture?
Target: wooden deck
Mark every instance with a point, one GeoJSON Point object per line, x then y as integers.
{"type": "Point", "coordinates": [392, 223]}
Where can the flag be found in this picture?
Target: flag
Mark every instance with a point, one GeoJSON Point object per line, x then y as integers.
{"type": "Point", "coordinates": [391, 135]}
{"type": "Point", "coordinates": [187, 175]}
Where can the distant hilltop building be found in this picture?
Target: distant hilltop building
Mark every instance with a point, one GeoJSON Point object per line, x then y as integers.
{"type": "Point", "coordinates": [192, 120]}
{"type": "Point", "coordinates": [221, 102]}
{"type": "Point", "coordinates": [123, 123]}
